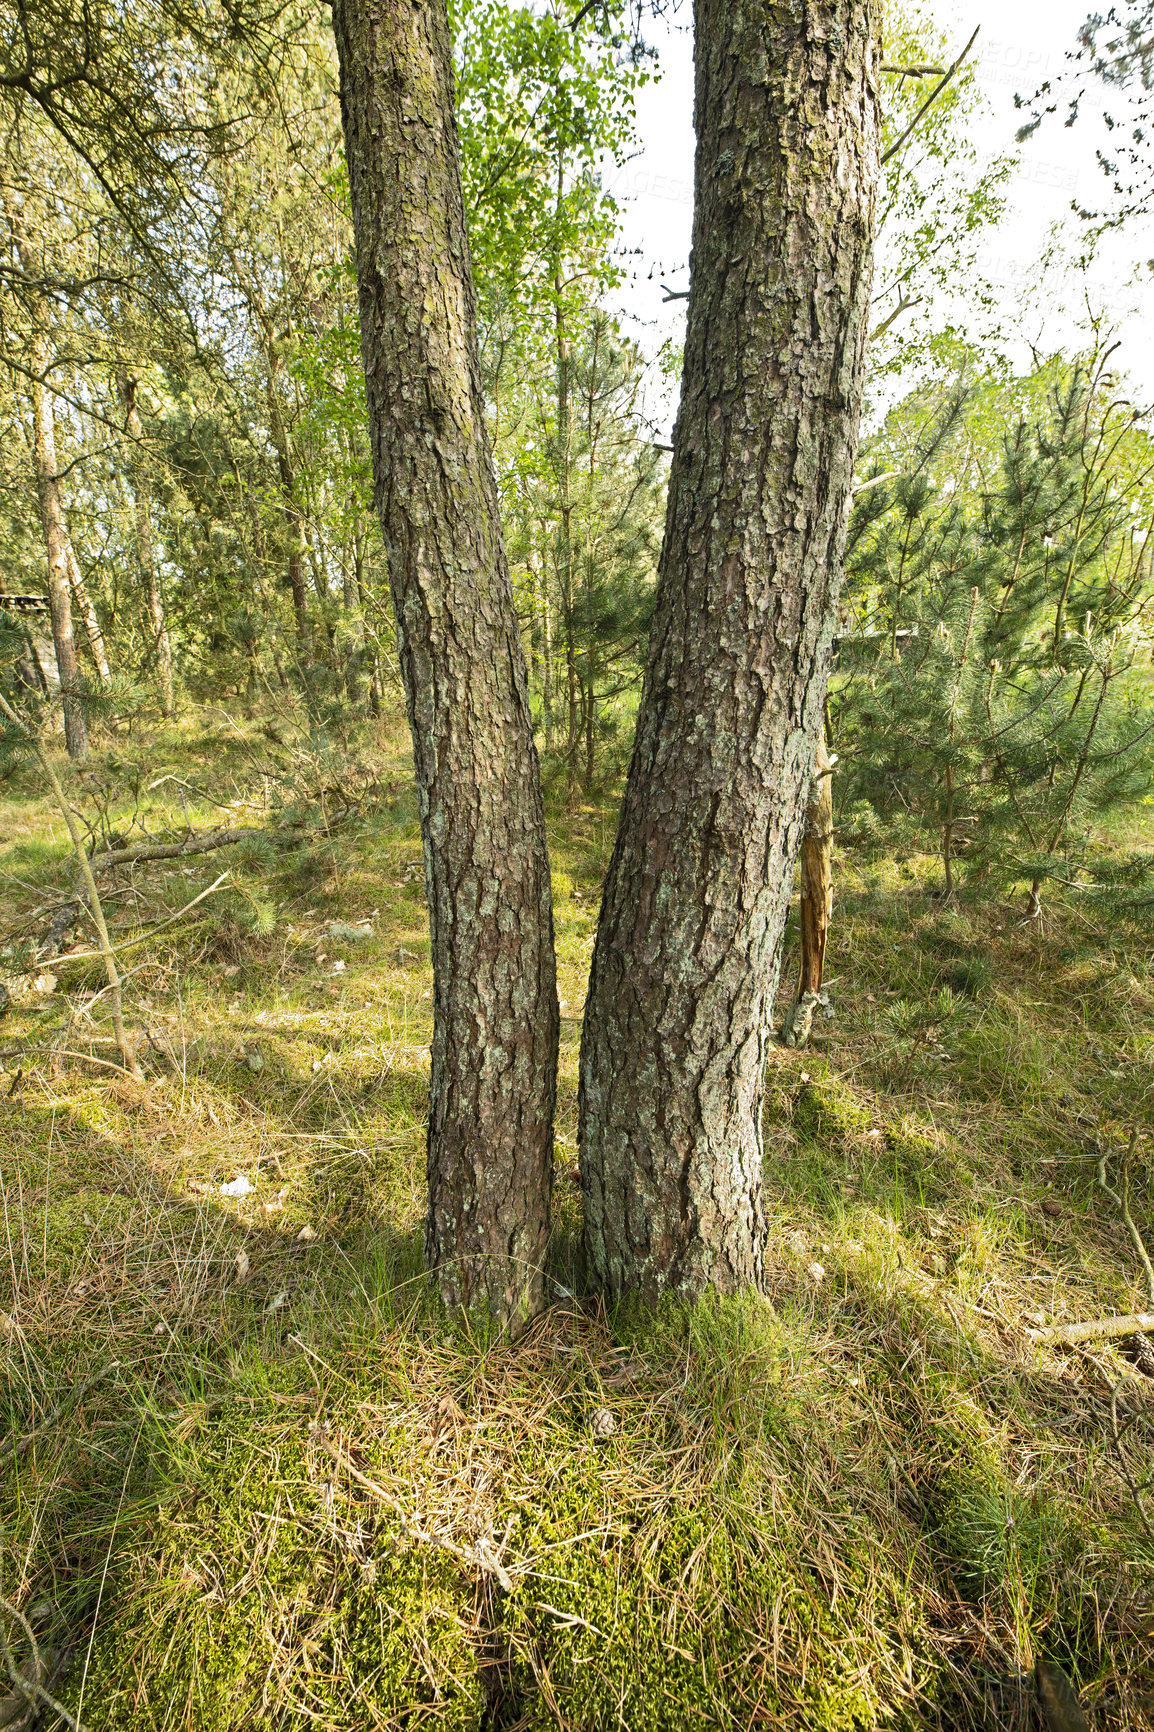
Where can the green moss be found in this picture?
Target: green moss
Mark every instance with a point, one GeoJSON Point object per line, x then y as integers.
{"type": "Point", "coordinates": [259, 1597]}
{"type": "Point", "coordinates": [687, 1618]}
{"type": "Point", "coordinates": [827, 1111]}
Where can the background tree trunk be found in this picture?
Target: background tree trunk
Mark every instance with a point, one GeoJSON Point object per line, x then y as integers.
{"type": "Point", "coordinates": [88, 613]}
{"type": "Point", "coordinates": [56, 544]}
{"type": "Point", "coordinates": [162, 648]}
{"type": "Point", "coordinates": [293, 518]}
{"type": "Point", "coordinates": [495, 1028]}
{"type": "Point", "coordinates": [678, 1016]}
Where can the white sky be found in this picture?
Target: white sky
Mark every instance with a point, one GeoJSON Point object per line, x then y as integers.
{"type": "Point", "coordinates": [1021, 42]}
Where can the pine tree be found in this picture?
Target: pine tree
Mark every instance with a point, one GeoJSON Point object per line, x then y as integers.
{"type": "Point", "coordinates": [985, 688]}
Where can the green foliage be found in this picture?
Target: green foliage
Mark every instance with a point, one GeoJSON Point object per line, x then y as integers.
{"type": "Point", "coordinates": [938, 202]}
{"type": "Point", "coordinates": [990, 685]}
{"type": "Point", "coordinates": [539, 103]}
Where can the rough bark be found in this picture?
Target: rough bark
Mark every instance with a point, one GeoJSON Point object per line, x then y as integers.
{"type": "Point", "coordinates": [678, 1015]}
{"type": "Point", "coordinates": [56, 544]}
{"type": "Point", "coordinates": [486, 870]}
{"type": "Point", "coordinates": [161, 646]}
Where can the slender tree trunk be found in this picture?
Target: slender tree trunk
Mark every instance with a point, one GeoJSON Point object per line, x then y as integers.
{"type": "Point", "coordinates": [678, 1015]}
{"type": "Point", "coordinates": [62, 564]}
{"type": "Point", "coordinates": [547, 680]}
{"type": "Point", "coordinates": [161, 645]}
{"type": "Point", "coordinates": [533, 565]}
{"type": "Point", "coordinates": [80, 592]}
{"type": "Point", "coordinates": [88, 613]}
{"type": "Point", "coordinates": [293, 518]}
{"type": "Point", "coordinates": [494, 1054]}
{"type": "Point", "coordinates": [350, 606]}
{"type": "Point", "coordinates": [56, 543]}
{"type": "Point", "coordinates": [368, 647]}
{"type": "Point", "coordinates": [564, 472]}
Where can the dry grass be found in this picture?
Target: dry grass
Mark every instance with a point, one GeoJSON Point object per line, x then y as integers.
{"type": "Point", "coordinates": [301, 1497]}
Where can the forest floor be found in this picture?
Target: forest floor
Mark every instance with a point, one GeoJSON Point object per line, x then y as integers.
{"type": "Point", "coordinates": [254, 1477]}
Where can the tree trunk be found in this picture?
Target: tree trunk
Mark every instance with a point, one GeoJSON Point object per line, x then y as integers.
{"type": "Point", "coordinates": [563, 468]}
{"type": "Point", "coordinates": [62, 565]}
{"type": "Point", "coordinates": [678, 1015]}
{"type": "Point", "coordinates": [161, 646]}
{"type": "Point", "coordinates": [494, 1053]}
{"type": "Point", "coordinates": [292, 517]}
{"type": "Point", "coordinates": [547, 680]}
{"type": "Point", "coordinates": [88, 613]}
{"type": "Point", "coordinates": [56, 543]}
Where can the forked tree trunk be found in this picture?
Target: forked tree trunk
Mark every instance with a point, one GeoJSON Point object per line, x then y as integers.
{"type": "Point", "coordinates": [161, 646]}
{"type": "Point", "coordinates": [678, 1015]}
{"type": "Point", "coordinates": [494, 1054]}
{"type": "Point", "coordinates": [56, 545]}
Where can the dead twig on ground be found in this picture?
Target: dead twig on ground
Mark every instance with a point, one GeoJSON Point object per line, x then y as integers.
{"type": "Point", "coordinates": [16, 1446]}
{"type": "Point", "coordinates": [1093, 1329]}
{"type": "Point", "coordinates": [143, 937]}
{"type": "Point", "coordinates": [1110, 1328]}
{"type": "Point", "coordinates": [1122, 1203]}
{"type": "Point", "coordinates": [483, 1556]}
{"type": "Point", "coordinates": [31, 1689]}
{"type": "Point", "coordinates": [205, 844]}
{"type": "Point", "coordinates": [125, 1047]}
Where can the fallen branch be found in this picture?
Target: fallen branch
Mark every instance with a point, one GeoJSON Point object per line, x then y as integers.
{"type": "Point", "coordinates": [17, 1445]}
{"type": "Point", "coordinates": [32, 1691]}
{"type": "Point", "coordinates": [60, 1052]}
{"type": "Point", "coordinates": [171, 850]}
{"type": "Point", "coordinates": [1094, 1329]}
{"type": "Point", "coordinates": [143, 937]}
